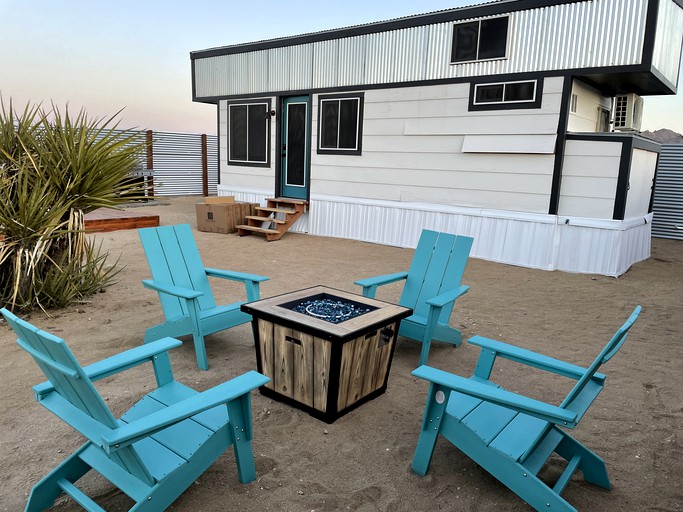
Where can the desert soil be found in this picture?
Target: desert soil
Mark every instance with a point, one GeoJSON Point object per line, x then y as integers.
{"type": "Point", "coordinates": [362, 461]}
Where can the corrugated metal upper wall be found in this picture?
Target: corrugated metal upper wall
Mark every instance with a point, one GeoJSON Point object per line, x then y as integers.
{"type": "Point", "coordinates": [567, 36]}
{"type": "Point", "coordinates": [667, 207]}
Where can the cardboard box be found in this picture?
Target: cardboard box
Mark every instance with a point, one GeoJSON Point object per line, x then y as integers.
{"type": "Point", "coordinates": [222, 214]}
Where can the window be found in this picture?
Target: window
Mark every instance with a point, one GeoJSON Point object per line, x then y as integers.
{"type": "Point", "coordinates": [480, 40]}
{"type": "Point", "coordinates": [249, 133]}
{"type": "Point", "coordinates": [506, 95]}
{"type": "Point", "coordinates": [573, 103]}
{"type": "Point", "coordinates": [340, 124]}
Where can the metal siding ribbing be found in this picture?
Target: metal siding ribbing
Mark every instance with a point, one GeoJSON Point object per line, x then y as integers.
{"type": "Point", "coordinates": [566, 36]}
{"type": "Point", "coordinates": [666, 55]}
{"type": "Point", "coordinates": [667, 207]}
{"type": "Point", "coordinates": [178, 163]}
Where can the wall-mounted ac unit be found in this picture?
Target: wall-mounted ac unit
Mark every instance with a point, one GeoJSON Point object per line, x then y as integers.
{"type": "Point", "coordinates": [628, 112]}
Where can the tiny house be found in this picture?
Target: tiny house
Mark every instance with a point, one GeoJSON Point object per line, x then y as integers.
{"type": "Point", "coordinates": [514, 122]}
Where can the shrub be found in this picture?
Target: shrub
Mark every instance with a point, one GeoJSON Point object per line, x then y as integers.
{"type": "Point", "coordinates": [55, 168]}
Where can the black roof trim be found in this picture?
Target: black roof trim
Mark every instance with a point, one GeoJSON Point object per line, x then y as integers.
{"type": "Point", "coordinates": [459, 13]}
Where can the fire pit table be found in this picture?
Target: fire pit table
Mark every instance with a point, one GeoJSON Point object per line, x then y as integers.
{"type": "Point", "coordinates": [326, 351]}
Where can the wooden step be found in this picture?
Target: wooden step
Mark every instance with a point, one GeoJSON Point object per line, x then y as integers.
{"type": "Point", "coordinates": [274, 210]}
{"type": "Point", "coordinates": [286, 200]}
{"type": "Point", "coordinates": [244, 227]}
{"type": "Point", "coordinates": [265, 219]}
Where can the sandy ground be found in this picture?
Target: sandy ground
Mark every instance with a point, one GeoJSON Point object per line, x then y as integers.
{"type": "Point", "coordinates": [362, 461]}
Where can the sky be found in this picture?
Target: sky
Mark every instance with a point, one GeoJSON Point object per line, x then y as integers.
{"type": "Point", "coordinates": [105, 56]}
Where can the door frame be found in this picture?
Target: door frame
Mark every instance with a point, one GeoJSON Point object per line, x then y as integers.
{"type": "Point", "coordinates": [279, 177]}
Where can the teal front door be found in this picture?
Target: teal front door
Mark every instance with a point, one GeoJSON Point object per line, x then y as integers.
{"type": "Point", "coordinates": [295, 148]}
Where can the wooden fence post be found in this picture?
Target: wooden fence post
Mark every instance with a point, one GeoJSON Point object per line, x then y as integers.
{"type": "Point", "coordinates": [150, 163]}
{"type": "Point", "coordinates": [205, 166]}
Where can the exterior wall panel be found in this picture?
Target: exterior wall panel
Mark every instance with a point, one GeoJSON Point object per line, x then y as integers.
{"type": "Point", "coordinates": [577, 35]}
{"type": "Point", "coordinates": [667, 56]}
{"type": "Point", "coordinates": [667, 206]}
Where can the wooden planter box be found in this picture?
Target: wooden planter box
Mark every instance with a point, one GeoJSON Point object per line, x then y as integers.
{"type": "Point", "coordinates": [323, 368]}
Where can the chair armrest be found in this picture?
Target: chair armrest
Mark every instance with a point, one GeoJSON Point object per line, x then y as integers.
{"type": "Point", "coordinates": [498, 396]}
{"type": "Point", "coordinates": [119, 362]}
{"type": "Point", "coordinates": [177, 291]}
{"type": "Point", "coordinates": [370, 284]}
{"type": "Point", "coordinates": [448, 297]}
{"type": "Point", "coordinates": [148, 425]}
{"type": "Point", "coordinates": [235, 276]}
{"type": "Point", "coordinates": [529, 358]}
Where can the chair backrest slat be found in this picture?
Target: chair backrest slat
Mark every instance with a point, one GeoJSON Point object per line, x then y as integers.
{"type": "Point", "coordinates": [174, 259]}
{"type": "Point", "coordinates": [605, 355]}
{"type": "Point", "coordinates": [438, 266]}
{"type": "Point", "coordinates": [68, 379]}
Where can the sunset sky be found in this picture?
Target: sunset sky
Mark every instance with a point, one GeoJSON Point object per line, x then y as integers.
{"type": "Point", "coordinates": [135, 54]}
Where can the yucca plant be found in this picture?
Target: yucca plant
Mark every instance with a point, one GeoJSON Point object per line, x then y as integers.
{"type": "Point", "coordinates": [54, 168]}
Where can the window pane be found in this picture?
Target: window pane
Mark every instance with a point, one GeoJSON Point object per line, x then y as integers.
{"type": "Point", "coordinates": [329, 124]}
{"type": "Point", "coordinates": [523, 91]}
{"type": "Point", "coordinates": [489, 93]}
{"type": "Point", "coordinates": [493, 38]}
{"type": "Point", "coordinates": [348, 124]}
{"type": "Point", "coordinates": [238, 132]}
{"type": "Point", "coordinates": [257, 133]}
{"type": "Point", "coordinates": [465, 37]}
{"type": "Point", "coordinates": [296, 143]}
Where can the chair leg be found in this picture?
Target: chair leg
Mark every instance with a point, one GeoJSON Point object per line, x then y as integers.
{"type": "Point", "coordinates": [200, 350]}
{"type": "Point", "coordinates": [45, 492]}
{"type": "Point", "coordinates": [431, 425]}
{"type": "Point", "coordinates": [592, 466]}
{"type": "Point", "coordinates": [239, 411]}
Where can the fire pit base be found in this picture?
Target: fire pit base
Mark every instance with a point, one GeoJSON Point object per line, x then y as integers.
{"type": "Point", "coordinates": [324, 368]}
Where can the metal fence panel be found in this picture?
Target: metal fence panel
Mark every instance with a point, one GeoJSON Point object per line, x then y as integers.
{"type": "Point", "coordinates": [667, 206]}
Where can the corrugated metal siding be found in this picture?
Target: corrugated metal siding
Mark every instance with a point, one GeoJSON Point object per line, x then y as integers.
{"type": "Point", "coordinates": [667, 207]}
{"type": "Point", "coordinates": [606, 247]}
{"type": "Point", "coordinates": [178, 163]}
{"type": "Point", "coordinates": [666, 56]}
{"type": "Point", "coordinates": [578, 35]}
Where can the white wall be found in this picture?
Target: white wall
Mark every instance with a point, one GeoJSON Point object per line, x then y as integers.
{"type": "Point", "coordinates": [588, 103]}
{"type": "Point", "coordinates": [589, 178]}
{"type": "Point", "coordinates": [641, 179]}
{"type": "Point", "coordinates": [413, 140]}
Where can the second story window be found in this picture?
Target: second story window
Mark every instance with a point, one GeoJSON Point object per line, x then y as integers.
{"type": "Point", "coordinates": [480, 40]}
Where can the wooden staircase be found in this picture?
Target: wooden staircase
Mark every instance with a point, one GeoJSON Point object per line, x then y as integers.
{"type": "Point", "coordinates": [274, 219]}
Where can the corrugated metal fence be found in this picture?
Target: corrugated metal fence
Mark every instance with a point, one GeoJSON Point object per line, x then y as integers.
{"type": "Point", "coordinates": [179, 161]}
{"type": "Point", "coordinates": [667, 206]}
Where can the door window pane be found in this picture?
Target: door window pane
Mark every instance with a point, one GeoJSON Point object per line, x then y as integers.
{"type": "Point", "coordinates": [296, 143]}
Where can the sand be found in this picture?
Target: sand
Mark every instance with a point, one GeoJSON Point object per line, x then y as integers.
{"type": "Point", "coordinates": [362, 461]}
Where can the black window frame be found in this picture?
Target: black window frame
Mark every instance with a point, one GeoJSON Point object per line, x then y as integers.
{"type": "Point", "coordinates": [358, 149]}
{"type": "Point", "coordinates": [506, 105]}
{"type": "Point", "coordinates": [477, 52]}
{"type": "Point", "coordinates": [267, 120]}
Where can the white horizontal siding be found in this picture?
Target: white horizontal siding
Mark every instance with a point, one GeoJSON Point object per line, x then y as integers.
{"type": "Point", "coordinates": [589, 179]}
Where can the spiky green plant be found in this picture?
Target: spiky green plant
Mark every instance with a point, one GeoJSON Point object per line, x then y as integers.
{"type": "Point", "coordinates": [54, 168]}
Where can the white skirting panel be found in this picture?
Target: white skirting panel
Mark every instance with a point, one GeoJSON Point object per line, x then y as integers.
{"type": "Point", "coordinates": [548, 242]}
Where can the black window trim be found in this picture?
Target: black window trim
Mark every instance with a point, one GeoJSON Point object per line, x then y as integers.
{"type": "Point", "coordinates": [463, 22]}
{"type": "Point", "coordinates": [360, 97]}
{"type": "Point", "coordinates": [506, 105]}
{"type": "Point", "coordinates": [247, 163]}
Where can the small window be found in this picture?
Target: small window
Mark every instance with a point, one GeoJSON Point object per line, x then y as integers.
{"type": "Point", "coordinates": [512, 92]}
{"type": "Point", "coordinates": [573, 104]}
{"type": "Point", "coordinates": [340, 123]}
{"type": "Point", "coordinates": [248, 132]}
{"type": "Point", "coordinates": [480, 40]}
{"type": "Point", "coordinates": [506, 95]}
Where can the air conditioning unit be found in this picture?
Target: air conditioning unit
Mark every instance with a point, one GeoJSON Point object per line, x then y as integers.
{"type": "Point", "coordinates": [628, 112]}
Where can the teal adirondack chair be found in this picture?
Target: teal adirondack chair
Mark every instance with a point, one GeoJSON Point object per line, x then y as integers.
{"type": "Point", "coordinates": [432, 284]}
{"type": "Point", "coordinates": [181, 280]}
{"type": "Point", "coordinates": [159, 447]}
{"type": "Point", "coordinates": [512, 436]}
